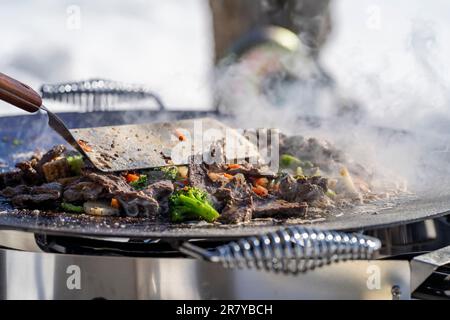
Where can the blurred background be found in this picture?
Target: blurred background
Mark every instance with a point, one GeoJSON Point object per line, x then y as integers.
{"type": "Point", "coordinates": [388, 56]}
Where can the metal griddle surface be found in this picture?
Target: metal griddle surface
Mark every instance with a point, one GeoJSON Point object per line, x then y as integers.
{"type": "Point", "coordinates": [35, 132]}
{"type": "Point", "coordinates": [377, 215]}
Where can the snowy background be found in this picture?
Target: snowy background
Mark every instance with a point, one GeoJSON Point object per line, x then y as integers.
{"type": "Point", "coordinates": [391, 55]}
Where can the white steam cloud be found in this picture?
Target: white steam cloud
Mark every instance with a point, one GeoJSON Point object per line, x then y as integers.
{"type": "Point", "coordinates": [400, 123]}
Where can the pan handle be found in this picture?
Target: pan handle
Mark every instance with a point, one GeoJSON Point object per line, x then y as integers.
{"type": "Point", "coordinates": [290, 250]}
{"type": "Point", "coordinates": [19, 94]}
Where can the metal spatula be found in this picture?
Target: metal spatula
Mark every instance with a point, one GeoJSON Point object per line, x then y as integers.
{"type": "Point", "coordinates": [132, 147]}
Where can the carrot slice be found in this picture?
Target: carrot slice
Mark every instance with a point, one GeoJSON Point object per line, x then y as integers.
{"type": "Point", "coordinates": [115, 203]}
{"type": "Point", "coordinates": [260, 191]}
{"type": "Point", "coordinates": [180, 135]}
{"type": "Point", "coordinates": [131, 177]}
{"type": "Point", "coordinates": [228, 176]}
{"type": "Point", "coordinates": [83, 145]}
{"type": "Point", "coordinates": [263, 182]}
{"type": "Point", "coordinates": [233, 166]}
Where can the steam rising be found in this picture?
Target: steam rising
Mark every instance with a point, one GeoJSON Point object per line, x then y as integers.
{"type": "Point", "coordinates": [394, 118]}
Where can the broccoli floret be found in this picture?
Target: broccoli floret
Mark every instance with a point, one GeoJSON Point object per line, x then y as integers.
{"type": "Point", "coordinates": [141, 183]}
{"type": "Point", "coordinates": [72, 208]}
{"type": "Point", "coordinates": [288, 161]}
{"type": "Point", "coordinates": [191, 203]}
{"type": "Point", "coordinates": [75, 163]}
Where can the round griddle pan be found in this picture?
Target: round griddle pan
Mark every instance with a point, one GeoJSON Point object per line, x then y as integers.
{"type": "Point", "coordinates": [402, 211]}
{"type": "Point", "coordinates": [30, 128]}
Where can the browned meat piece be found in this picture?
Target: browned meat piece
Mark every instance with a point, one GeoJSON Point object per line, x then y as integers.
{"type": "Point", "coordinates": [135, 203]}
{"type": "Point", "coordinates": [159, 190]}
{"type": "Point", "coordinates": [30, 175]}
{"type": "Point", "coordinates": [280, 208]}
{"type": "Point", "coordinates": [53, 188]}
{"type": "Point", "coordinates": [320, 181]}
{"type": "Point", "coordinates": [30, 172]}
{"type": "Point", "coordinates": [45, 195]}
{"type": "Point", "coordinates": [302, 190]}
{"type": "Point", "coordinates": [56, 169]}
{"type": "Point", "coordinates": [236, 200]}
{"type": "Point", "coordinates": [52, 154]}
{"type": "Point", "coordinates": [234, 213]}
{"type": "Point", "coordinates": [138, 204]}
{"type": "Point", "coordinates": [320, 152]}
{"type": "Point", "coordinates": [198, 175]}
{"type": "Point", "coordinates": [82, 191]}
{"type": "Point", "coordinates": [11, 179]}
{"type": "Point", "coordinates": [33, 201]}
{"type": "Point", "coordinates": [10, 192]}
{"type": "Point", "coordinates": [111, 183]}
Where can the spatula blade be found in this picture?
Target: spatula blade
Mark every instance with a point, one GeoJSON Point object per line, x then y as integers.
{"type": "Point", "coordinates": [141, 146]}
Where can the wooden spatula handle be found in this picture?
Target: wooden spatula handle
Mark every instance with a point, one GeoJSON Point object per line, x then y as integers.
{"type": "Point", "coordinates": [19, 94]}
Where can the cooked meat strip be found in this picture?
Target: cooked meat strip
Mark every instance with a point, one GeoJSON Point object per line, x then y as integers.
{"type": "Point", "coordinates": [111, 183]}
{"type": "Point", "coordinates": [279, 208]}
{"type": "Point", "coordinates": [138, 205]}
{"type": "Point", "coordinates": [30, 172]}
{"type": "Point", "coordinates": [235, 200]}
{"type": "Point", "coordinates": [52, 154]}
{"type": "Point", "coordinates": [319, 152]}
{"type": "Point", "coordinates": [11, 178]}
{"type": "Point", "coordinates": [198, 175]}
{"type": "Point", "coordinates": [135, 203]}
{"type": "Point", "coordinates": [45, 195]}
{"type": "Point", "coordinates": [303, 189]}
{"type": "Point", "coordinates": [82, 190]}
{"type": "Point", "coordinates": [30, 175]}
{"type": "Point", "coordinates": [56, 169]}
{"type": "Point", "coordinates": [53, 188]}
{"type": "Point", "coordinates": [161, 191]}
{"type": "Point", "coordinates": [322, 154]}
{"type": "Point", "coordinates": [10, 192]}
{"type": "Point", "coordinates": [320, 181]}
{"type": "Point", "coordinates": [234, 213]}
{"type": "Point", "coordinates": [33, 201]}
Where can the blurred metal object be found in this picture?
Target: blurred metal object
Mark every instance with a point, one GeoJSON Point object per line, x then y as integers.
{"type": "Point", "coordinates": [424, 265]}
{"type": "Point", "coordinates": [268, 67]}
{"type": "Point", "coordinates": [92, 272]}
{"type": "Point", "coordinates": [99, 94]}
{"type": "Point", "coordinates": [289, 250]}
{"type": "Point", "coordinates": [308, 19]}
{"type": "Point", "coordinates": [271, 35]}
{"type": "Point", "coordinates": [30, 275]}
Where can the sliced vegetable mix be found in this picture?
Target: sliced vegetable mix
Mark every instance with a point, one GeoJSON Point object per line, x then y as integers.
{"type": "Point", "coordinates": [191, 203]}
{"type": "Point", "coordinates": [311, 173]}
{"type": "Point", "coordinates": [140, 183]}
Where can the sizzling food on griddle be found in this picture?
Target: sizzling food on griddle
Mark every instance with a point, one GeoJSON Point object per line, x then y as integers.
{"type": "Point", "coordinates": [313, 176]}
